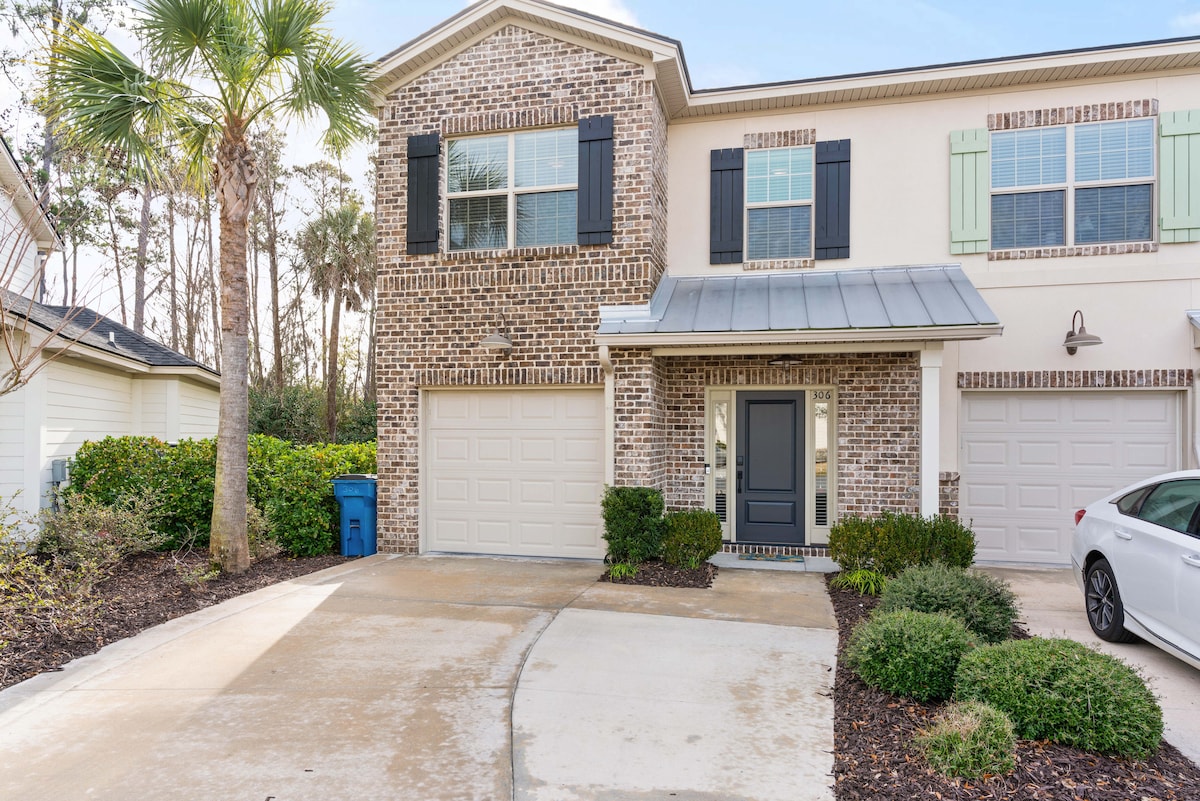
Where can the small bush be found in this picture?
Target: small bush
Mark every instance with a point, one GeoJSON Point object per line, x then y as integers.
{"type": "Point", "coordinates": [185, 488]}
{"type": "Point", "coordinates": [633, 523]}
{"type": "Point", "coordinates": [84, 531]}
{"type": "Point", "coordinates": [621, 570]}
{"type": "Point", "coordinates": [892, 542]}
{"type": "Point", "coordinates": [1062, 691]}
{"type": "Point", "coordinates": [301, 509]}
{"type": "Point", "coordinates": [691, 537]}
{"type": "Point", "coordinates": [114, 469]}
{"type": "Point", "coordinates": [862, 581]}
{"type": "Point", "coordinates": [969, 740]}
{"type": "Point", "coordinates": [914, 654]}
{"type": "Point", "coordinates": [984, 603]}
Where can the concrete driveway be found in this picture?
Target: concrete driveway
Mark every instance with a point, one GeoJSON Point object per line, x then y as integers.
{"type": "Point", "coordinates": [447, 678]}
{"type": "Point", "coordinates": [1052, 606]}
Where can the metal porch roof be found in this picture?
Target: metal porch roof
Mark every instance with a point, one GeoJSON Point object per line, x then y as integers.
{"type": "Point", "coordinates": [928, 302]}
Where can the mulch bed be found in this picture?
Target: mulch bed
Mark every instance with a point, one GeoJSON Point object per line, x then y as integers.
{"type": "Point", "coordinates": [144, 591]}
{"type": "Point", "coordinates": [874, 758]}
{"type": "Point", "coordinates": [657, 573]}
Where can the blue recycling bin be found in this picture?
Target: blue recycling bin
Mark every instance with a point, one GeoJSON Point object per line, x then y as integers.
{"type": "Point", "coordinates": [355, 493]}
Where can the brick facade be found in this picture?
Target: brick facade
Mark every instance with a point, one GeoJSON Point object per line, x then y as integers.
{"type": "Point", "coordinates": [1077, 379]}
{"type": "Point", "coordinates": [433, 310]}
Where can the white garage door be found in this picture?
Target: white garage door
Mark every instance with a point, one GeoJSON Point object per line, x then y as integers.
{"type": "Point", "coordinates": [1030, 459]}
{"type": "Point", "coordinates": [516, 472]}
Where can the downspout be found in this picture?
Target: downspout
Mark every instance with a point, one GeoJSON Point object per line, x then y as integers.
{"type": "Point", "coordinates": [610, 424]}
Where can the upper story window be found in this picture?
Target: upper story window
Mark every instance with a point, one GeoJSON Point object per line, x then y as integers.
{"type": "Point", "coordinates": [512, 190]}
{"type": "Point", "coordinates": [779, 203]}
{"type": "Point", "coordinates": [1080, 184]}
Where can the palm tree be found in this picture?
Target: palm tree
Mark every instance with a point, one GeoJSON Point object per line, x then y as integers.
{"type": "Point", "coordinates": [339, 247]}
{"type": "Point", "coordinates": [214, 67]}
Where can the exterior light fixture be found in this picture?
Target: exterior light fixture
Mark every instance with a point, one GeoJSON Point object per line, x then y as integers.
{"type": "Point", "coordinates": [497, 340]}
{"type": "Point", "coordinates": [1079, 337]}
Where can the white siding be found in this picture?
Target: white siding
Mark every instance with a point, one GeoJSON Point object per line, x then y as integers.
{"type": "Point", "coordinates": [153, 416]}
{"type": "Point", "coordinates": [197, 410]}
{"type": "Point", "coordinates": [18, 249]}
{"type": "Point", "coordinates": [12, 443]}
{"type": "Point", "coordinates": [83, 403]}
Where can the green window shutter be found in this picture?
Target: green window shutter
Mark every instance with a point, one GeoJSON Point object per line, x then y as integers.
{"type": "Point", "coordinates": [1179, 182]}
{"type": "Point", "coordinates": [970, 191]}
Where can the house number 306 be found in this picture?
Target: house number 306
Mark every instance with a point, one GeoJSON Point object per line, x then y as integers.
{"type": "Point", "coordinates": [821, 394]}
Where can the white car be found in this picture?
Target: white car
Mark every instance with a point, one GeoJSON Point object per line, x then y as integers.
{"type": "Point", "coordinates": [1136, 556]}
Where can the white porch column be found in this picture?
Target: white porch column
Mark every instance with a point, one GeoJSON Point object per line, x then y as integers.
{"type": "Point", "coordinates": [931, 377]}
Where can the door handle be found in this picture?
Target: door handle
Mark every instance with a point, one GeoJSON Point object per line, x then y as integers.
{"type": "Point", "coordinates": [1192, 559]}
{"type": "Point", "coordinates": [739, 482]}
{"type": "Point", "coordinates": [1123, 534]}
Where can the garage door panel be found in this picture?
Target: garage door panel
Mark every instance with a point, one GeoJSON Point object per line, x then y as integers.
{"type": "Point", "coordinates": [1026, 469]}
{"type": "Point", "coordinates": [531, 478]}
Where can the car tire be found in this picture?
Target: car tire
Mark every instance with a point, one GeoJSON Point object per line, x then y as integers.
{"type": "Point", "coordinates": [1105, 612]}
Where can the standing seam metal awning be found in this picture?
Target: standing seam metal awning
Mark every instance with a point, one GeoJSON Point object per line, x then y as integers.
{"type": "Point", "coordinates": [919, 303]}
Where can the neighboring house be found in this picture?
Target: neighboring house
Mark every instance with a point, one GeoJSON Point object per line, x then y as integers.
{"type": "Point", "coordinates": [782, 302]}
{"type": "Point", "coordinates": [94, 377]}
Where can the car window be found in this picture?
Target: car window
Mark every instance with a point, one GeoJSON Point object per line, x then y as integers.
{"type": "Point", "coordinates": [1171, 504]}
{"type": "Point", "coordinates": [1128, 504]}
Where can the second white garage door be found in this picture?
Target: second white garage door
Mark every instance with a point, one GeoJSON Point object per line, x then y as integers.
{"type": "Point", "coordinates": [1030, 459]}
{"type": "Point", "coordinates": [516, 472]}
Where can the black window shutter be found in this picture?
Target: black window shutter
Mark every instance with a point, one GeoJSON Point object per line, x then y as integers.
{"type": "Point", "coordinates": [832, 202]}
{"type": "Point", "coordinates": [726, 193]}
{"type": "Point", "coordinates": [423, 194]}
{"type": "Point", "coordinates": [595, 197]}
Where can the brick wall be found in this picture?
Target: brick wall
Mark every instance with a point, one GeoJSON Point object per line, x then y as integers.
{"type": "Point", "coordinates": [878, 423]}
{"type": "Point", "coordinates": [433, 310]}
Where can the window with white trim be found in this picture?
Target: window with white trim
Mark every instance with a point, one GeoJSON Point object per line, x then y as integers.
{"type": "Point", "coordinates": [1081, 184]}
{"type": "Point", "coordinates": [512, 190]}
{"type": "Point", "coordinates": [779, 203]}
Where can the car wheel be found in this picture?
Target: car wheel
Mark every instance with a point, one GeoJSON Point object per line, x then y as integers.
{"type": "Point", "coordinates": [1105, 612]}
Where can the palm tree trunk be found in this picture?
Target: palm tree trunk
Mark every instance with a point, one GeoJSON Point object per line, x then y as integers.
{"type": "Point", "coordinates": [236, 179]}
{"type": "Point", "coordinates": [140, 264]}
{"type": "Point", "coordinates": [331, 374]}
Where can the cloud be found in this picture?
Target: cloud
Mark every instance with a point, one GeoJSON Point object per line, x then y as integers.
{"type": "Point", "coordinates": [1187, 23]}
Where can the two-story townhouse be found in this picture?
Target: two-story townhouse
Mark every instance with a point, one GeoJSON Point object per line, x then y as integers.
{"type": "Point", "coordinates": [781, 302]}
{"type": "Point", "coordinates": [83, 376]}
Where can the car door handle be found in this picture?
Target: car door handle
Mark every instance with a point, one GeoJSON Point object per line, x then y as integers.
{"type": "Point", "coordinates": [1124, 534]}
{"type": "Point", "coordinates": [1192, 559]}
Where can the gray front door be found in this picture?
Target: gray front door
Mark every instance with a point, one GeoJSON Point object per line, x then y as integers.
{"type": "Point", "coordinates": [769, 471]}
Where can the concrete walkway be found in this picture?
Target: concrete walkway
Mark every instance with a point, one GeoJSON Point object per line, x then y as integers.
{"type": "Point", "coordinates": [447, 678]}
{"type": "Point", "coordinates": [1052, 606]}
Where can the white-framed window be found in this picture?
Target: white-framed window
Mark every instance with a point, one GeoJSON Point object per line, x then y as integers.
{"type": "Point", "coordinates": [779, 203]}
{"type": "Point", "coordinates": [512, 190]}
{"type": "Point", "coordinates": [1080, 184]}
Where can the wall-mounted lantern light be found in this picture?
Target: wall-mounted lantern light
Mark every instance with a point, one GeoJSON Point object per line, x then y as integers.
{"type": "Point", "coordinates": [1079, 337]}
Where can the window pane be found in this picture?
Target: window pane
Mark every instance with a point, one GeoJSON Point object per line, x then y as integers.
{"type": "Point", "coordinates": [1172, 504]}
{"type": "Point", "coordinates": [1113, 214]}
{"type": "Point", "coordinates": [546, 218]}
{"type": "Point", "coordinates": [546, 158]}
{"type": "Point", "coordinates": [478, 222]}
{"type": "Point", "coordinates": [821, 463]}
{"type": "Point", "coordinates": [779, 175]}
{"type": "Point", "coordinates": [720, 435]}
{"type": "Point", "coordinates": [1028, 219]}
{"type": "Point", "coordinates": [1114, 151]}
{"type": "Point", "coordinates": [779, 233]}
{"type": "Point", "coordinates": [477, 164]}
{"type": "Point", "coordinates": [1029, 158]}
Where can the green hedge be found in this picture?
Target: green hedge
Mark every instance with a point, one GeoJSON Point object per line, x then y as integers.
{"type": "Point", "coordinates": [290, 484]}
{"type": "Point", "coordinates": [984, 603]}
{"type": "Point", "coordinates": [914, 654]}
{"type": "Point", "coordinates": [892, 542]}
{"type": "Point", "coordinates": [693, 535]}
{"type": "Point", "coordinates": [633, 523]}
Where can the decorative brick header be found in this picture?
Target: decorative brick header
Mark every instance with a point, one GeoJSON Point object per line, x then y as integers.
{"type": "Point", "coordinates": [510, 120]}
{"type": "Point", "coordinates": [796, 375]}
{"type": "Point", "coordinates": [806, 136]}
{"type": "Point", "coordinates": [779, 264]}
{"type": "Point", "coordinates": [1113, 249]}
{"type": "Point", "coordinates": [518, 276]}
{"type": "Point", "coordinates": [502, 376]}
{"type": "Point", "coordinates": [1065, 115]}
{"type": "Point", "coordinates": [1077, 379]}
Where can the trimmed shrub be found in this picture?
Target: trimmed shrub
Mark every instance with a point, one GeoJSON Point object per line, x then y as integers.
{"type": "Point", "coordinates": [691, 537]}
{"type": "Point", "coordinates": [115, 469]}
{"type": "Point", "coordinates": [984, 603]}
{"type": "Point", "coordinates": [301, 508]}
{"type": "Point", "coordinates": [969, 740]}
{"type": "Point", "coordinates": [914, 654]}
{"type": "Point", "coordinates": [1062, 691]}
{"type": "Point", "coordinates": [185, 489]}
{"type": "Point", "coordinates": [862, 581]}
{"type": "Point", "coordinates": [633, 523]}
{"type": "Point", "coordinates": [892, 542]}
